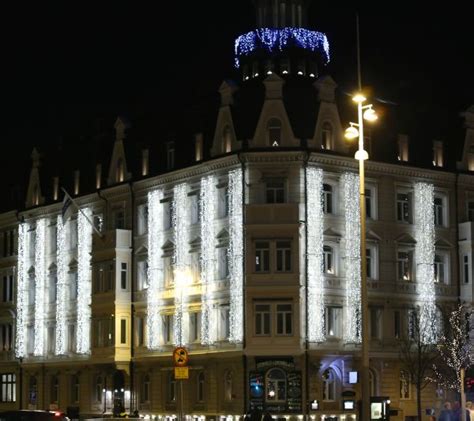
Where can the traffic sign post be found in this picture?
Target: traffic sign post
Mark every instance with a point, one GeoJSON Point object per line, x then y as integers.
{"type": "Point", "coordinates": [181, 372]}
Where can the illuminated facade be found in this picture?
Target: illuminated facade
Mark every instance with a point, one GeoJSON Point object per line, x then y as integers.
{"type": "Point", "coordinates": [249, 257]}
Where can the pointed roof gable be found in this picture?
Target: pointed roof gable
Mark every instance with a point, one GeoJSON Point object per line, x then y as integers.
{"type": "Point", "coordinates": [118, 164]}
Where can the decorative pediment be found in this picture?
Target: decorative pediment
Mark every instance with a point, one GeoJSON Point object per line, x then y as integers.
{"type": "Point", "coordinates": [442, 243]}
{"type": "Point", "coordinates": [72, 264]}
{"type": "Point", "coordinates": [169, 245]}
{"type": "Point", "coordinates": [372, 236]}
{"type": "Point", "coordinates": [31, 270]}
{"type": "Point", "coordinates": [405, 239]}
{"type": "Point", "coordinates": [52, 267]}
{"type": "Point", "coordinates": [331, 233]}
{"type": "Point", "coordinates": [141, 250]}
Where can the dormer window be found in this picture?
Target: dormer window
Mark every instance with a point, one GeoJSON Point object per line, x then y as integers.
{"type": "Point", "coordinates": [402, 148]}
{"type": "Point", "coordinates": [438, 160]}
{"type": "Point", "coordinates": [274, 132]}
{"type": "Point", "coordinates": [169, 155]}
{"type": "Point", "coordinates": [470, 158]}
{"type": "Point", "coordinates": [227, 140]}
{"type": "Point", "coordinates": [326, 138]}
{"type": "Point", "coordinates": [119, 172]}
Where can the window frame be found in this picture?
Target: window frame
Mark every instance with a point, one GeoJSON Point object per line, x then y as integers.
{"type": "Point", "coordinates": [275, 190]}
{"type": "Point", "coordinates": [409, 252]}
{"type": "Point", "coordinates": [400, 206]}
{"type": "Point", "coordinates": [333, 315]}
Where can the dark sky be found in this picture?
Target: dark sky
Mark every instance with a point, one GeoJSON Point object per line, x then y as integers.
{"type": "Point", "coordinates": [63, 65]}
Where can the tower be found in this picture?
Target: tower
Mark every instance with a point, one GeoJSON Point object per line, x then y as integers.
{"type": "Point", "coordinates": [281, 44]}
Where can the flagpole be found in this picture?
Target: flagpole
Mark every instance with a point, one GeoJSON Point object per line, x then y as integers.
{"type": "Point", "coordinates": [83, 214]}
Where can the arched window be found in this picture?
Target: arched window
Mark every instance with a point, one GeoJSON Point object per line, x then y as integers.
{"type": "Point", "coordinates": [328, 261]}
{"type": "Point", "coordinates": [329, 385]}
{"type": "Point", "coordinates": [326, 136]}
{"type": "Point", "coordinates": [32, 390]}
{"type": "Point", "coordinates": [327, 198]}
{"type": "Point", "coordinates": [227, 140]}
{"type": "Point", "coordinates": [274, 132]}
{"type": "Point", "coordinates": [405, 389]}
{"type": "Point", "coordinates": [200, 387]}
{"type": "Point", "coordinates": [145, 395]}
{"type": "Point", "coordinates": [171, 389]}
{"type": "Point", "coordinates": [98, 387]}
{"type": "Point", "coordinates": [75, 388]}
{"type": "Point", "coordinates": [275, 385]}
{"type": "Point", "coordinates": [228, 386]}
{"type": "Point", "coordinates": [54, 389]}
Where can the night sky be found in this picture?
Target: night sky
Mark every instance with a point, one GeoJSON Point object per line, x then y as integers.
{"type": "Point", "coordinates": [62, 67]}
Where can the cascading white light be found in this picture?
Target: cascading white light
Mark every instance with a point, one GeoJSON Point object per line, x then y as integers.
{"type": "Point", "coordinates": [22, 291]}
{"type": "Point", "coordinates": [236, 250]}
{"type": "Point", "coordinates": [40, 287]}
{"type": "Point", "coordinates": [180, 258]}
{"type": "Point", "coordinates": [84, 284]}
{"type": "Point", "coordinates": [425, 254]}
{"type": "Point", "coordinates": [207, 200]}
{"type": "Point", "coordinates": [155, 268]}
{"type": "Point", "coordinates": [61, 297]}
{"type": "Point", "coordinates": [350, 186]}
{"type": "Point", "coordinates": [315, 222]}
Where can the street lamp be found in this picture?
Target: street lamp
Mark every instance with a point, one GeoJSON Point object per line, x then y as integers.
{"type": "Point", "coordinates": [357, 130]}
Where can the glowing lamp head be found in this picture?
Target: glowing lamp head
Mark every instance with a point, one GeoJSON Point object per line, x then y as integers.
{"type": "Point", "coordinates": [358, 98]}
{"type": "Point", "coordinates": [370, 115]}
{"type": "Point", "coordinates": [351, 133]}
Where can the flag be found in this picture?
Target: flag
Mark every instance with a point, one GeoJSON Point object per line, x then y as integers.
{"type": "Point", "coordinates": [67, 207]}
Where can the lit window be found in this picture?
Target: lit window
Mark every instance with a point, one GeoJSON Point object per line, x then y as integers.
{"type": "Point", "coordinates": [329, 385]}
{"type": "Point", "coordinates": [275, 385]}
{"type": "Point", "coordinates": [326, 138]}
{"type": "Point", "coordinates": [333, 322]}
{"type": "Point", "coordinates": [404, 266]}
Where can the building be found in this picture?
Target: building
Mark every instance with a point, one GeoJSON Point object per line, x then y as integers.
{"type": "Point", "coordinates": [248, 257]}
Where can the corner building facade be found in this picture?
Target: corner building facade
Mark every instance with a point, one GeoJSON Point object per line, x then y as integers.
{"type": "Point", "coordinates": [249, 257]}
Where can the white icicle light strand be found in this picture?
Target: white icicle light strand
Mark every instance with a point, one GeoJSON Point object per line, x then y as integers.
{"type": "Point", "coordinates": [425, 254]}
{"type": "Point", "coordinates": [155, 268]}
{"type": "Point", "coordinates": [350, 186]}
{"type": "Point", "coordinates": [22, 291]}
{"type": "Point", "coordinates": [236, 248]}
{"type": "Point", "coordinates": [315, 222]}
{"type": "Point", "coordinates": [61, 297]}
{"type": "Point", "coordinates": [180, 256]}
{"type": "Point", "coordinates": [40, 288]}
{"type": "Point", "coordinates": [84, 285]}
{"type": "Point", "coordinates": [207, 200]}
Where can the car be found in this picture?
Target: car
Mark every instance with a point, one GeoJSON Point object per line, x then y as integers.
{"type": "Point", "coordinates": [27, 415]}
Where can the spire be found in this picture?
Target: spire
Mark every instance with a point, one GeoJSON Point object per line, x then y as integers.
{"type": "Point", "coordinates": [118, 164]}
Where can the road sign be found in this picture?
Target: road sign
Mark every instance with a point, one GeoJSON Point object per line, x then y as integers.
{"type": "Point", "coordinates": [181, 373]}
{"type": "Point", "coordinates": [180, 357]}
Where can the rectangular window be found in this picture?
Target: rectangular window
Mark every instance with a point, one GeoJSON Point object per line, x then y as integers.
{"type": "Point", "coordinates": [262, 319]}
{"type": "Point", "coordinates": [369, 203]}
{"type": "Point", "coordinates": [375, 322]}
{"type": "Point", "coordinates": [194, 199]}
{"type": "Point", "coordinates": [369, 260]}
{"type": "Point", "coordinates": [404, 266]}
{"type": "Point", "coordinates": [222, 202]}
{"type": "Point", "coordinates": [333, 321]}
{"type": "Point", "coordinates": [167, 217]}
{"type": "Point", "coordinates": [51, 339]}
{"type": "Point", "coordinates": [169, 273]}
{"type": "Point", "coordinates": [30, 340]}
{"type": "Point", "coordinates": [438, 211]}
{"type": "Point", "coordinates": [195, 327]}
{"type": "Point", "coordinates": [275, 191]}
{"type": "Point", "coordinates": [73, 233]}
{"type": "Point", "coordinates": [465, 267]}
{"type": "Point", "coordinates": [7, 293]}
{"type": "Point", "coordinates": [223, 262]}
{"type": "Point", "coordinates": [73, 286]}
{"type": "Point", "coordinates": [168, 328]}
{"type": "Point", "coordinates": [140, 331]}
{"type": "Point", "coordinates": [327, 198]}
{"type": "Point", "coordinates": [71, 338]}
{"type": "Point", "coordinates": [142, 275]}
{"type": "Point", "coordinates": [123, 276]}
{"type": "Point", "coordinates": [397, 325]}
{"type": "Point", "coordinates": [8, 387]}
{"type": "Point", "coordinates": [123, 331]}
{"type": "Point", "coordinates": [52, 238]}
{"type": "Point", "coordinates": [403, 207]}
{"type": "Point", "coordinates": [439, 269]}
{"type": "Point", "coordinates": [262, 256]}
{"type": "Point", "coordinates": [224, 323]}
{"type": "Point", "coordinates": [283, 256]}
{"type": "Point", "coordinates": [170, 155]}
{"type": "Point", "coordinates": [142, 219]}
{"type": "Point", "coordinates": [119, 218]}
{"type": "Point", "coordinates": [284, 321]}
{"type": "Point", "coordinates": [328, 260]}
{"type": "Point", "coordinates": [6, 338]}
{"type": "Point", "coordinates": [470, 211]}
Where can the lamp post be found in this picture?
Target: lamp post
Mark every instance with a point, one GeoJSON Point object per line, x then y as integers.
{"type": "Point", "coordinates": [357, 130]}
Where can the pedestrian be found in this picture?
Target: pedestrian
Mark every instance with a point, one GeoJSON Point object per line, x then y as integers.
{"type": "Point", "coordinates": [446, 413]}
{"type": "Point", "coordinates": [470, 408]}
{"type": "Point", "coordinates": [457, 412]}
{"type": "Point", "coordinates": [267, 416]}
